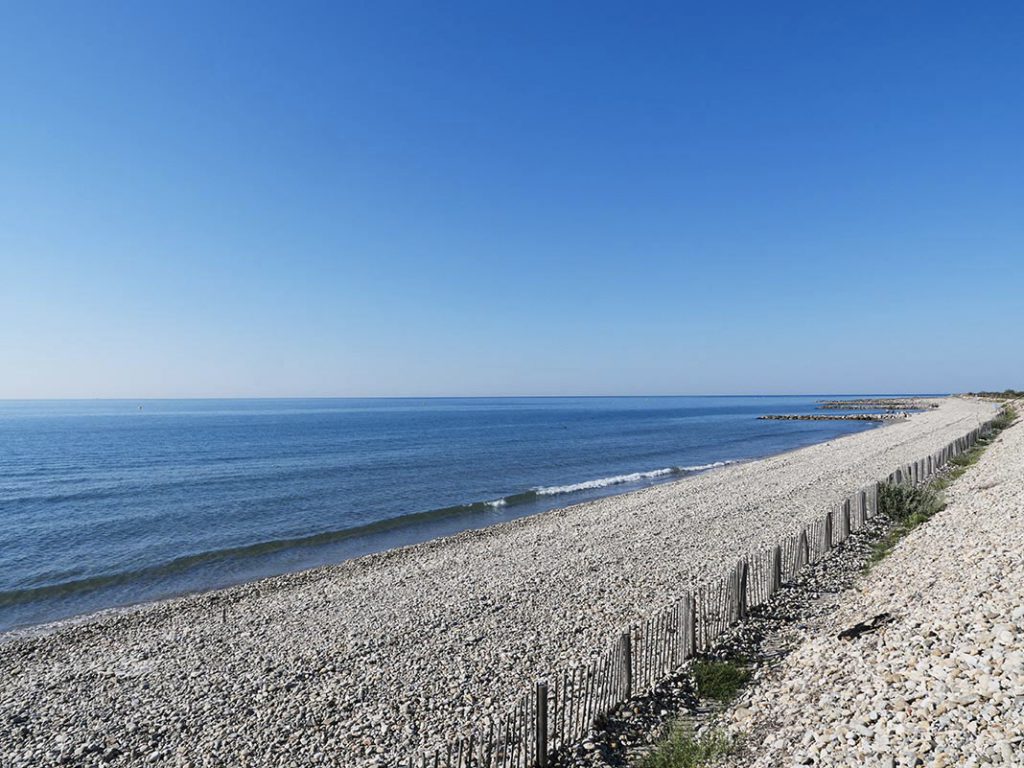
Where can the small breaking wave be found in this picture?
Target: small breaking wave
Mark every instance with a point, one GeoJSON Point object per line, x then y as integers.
{"type": "Point", "coordinates": [632, 477]}
{"type": "Point", "coordinates": [160, 571]}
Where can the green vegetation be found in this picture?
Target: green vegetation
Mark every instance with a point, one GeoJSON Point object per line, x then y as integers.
{"type": "Point", "coordinates": [909, 506]}
{"type": "Point", "coordinates": [909, 503]}
{"type": "Point", "coordinates": [683, 749]}
{"type": "Point", "coordinates": [1006, 394]}
{"type": "Point", "coordinates": [719, 680]}
{"type": "Point", "coordinates": [1007, 415]}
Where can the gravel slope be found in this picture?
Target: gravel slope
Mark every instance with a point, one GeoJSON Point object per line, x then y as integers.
{"type": "Point", "coordinates": [943, 684]}
{"type": "Point", "coordinates": [369, 659]}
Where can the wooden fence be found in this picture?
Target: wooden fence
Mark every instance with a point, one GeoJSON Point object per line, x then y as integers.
{"type": "Point", "coordinates": [557, 714]}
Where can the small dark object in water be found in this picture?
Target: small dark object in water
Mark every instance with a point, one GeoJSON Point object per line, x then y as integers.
{"type": "Point", "coordinates": [863, 627]}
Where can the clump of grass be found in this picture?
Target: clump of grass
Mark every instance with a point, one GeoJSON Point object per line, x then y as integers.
{"type": "Point", "coordinates": [967, 458]}
{"type": "Point", "coordinates": [719, 680]}
{"type": "Point", "coordinates": [1006, 416]}
{"type": "Point", "coordinates": [959, 464]}
{"type": "Point", "coordinates": [908, 506]}
{"type": "Point", "coordinates": [911, 504]}
{"type": "Point", "coordinates": [683, 749]}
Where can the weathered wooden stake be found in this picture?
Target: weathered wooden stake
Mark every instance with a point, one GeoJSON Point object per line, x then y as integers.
{"type": "Point", "coordinates": [542, 724]}
{"type": "Point", "coordinates": [776, 569]}
{"type": "Point", "coordinates": [826, 538]}
{"type": "Point", "coordinates": [691, 625]}
{"type": "Point", "coordinates": [846, 520]}
{"type": "Point", "coordinates": [741, 590]}
{"type": "Point", "coordinates": [627, 663]}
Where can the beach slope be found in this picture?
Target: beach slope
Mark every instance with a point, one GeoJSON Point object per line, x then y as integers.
{"type": "Point", "coordinates": [941, 684]}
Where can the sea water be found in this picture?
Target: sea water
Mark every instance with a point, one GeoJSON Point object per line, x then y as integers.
{"type": "Point", "coordinates": [111, 502]}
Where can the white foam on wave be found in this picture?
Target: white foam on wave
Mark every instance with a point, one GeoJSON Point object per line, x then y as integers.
{"type": "Point", "coordinates": [496, 503]}
{"type": "Point", "coordinates": [632, 477]}
{"type": "Point", "coordinates": [702, 467]}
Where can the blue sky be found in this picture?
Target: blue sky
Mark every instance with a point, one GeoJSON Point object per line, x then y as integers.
{"type": "Point", "coordinates": [246, 199]}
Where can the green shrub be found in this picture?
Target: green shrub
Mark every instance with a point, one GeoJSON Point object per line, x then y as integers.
{"type": "Point", "coordinates": [682, 749]}
{"type": "Point", "coordinates": [1006, 416]}
{"type": "Point", "coordinates": [718, 680]}
{"type": "Point", "coordinates": [907, 506]}
{"type": "Point", "coordinates": [909, 503]}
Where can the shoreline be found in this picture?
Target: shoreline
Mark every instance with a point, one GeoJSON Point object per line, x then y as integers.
{"type": "Point", "coordinates": [449, 628]}
{"type": "Point", "coordinates": [467, 515]}
{"type": "Point", "coordinates": [118, 611]}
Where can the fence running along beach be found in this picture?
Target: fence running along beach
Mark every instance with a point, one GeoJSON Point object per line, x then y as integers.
{"type": "Point", "coordinates": [558, 713]}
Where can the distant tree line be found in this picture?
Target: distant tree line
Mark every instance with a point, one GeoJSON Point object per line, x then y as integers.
{"type": "Point", "coordinates": [1006, 394]}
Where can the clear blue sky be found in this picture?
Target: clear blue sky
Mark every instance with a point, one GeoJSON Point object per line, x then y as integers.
{"type": "Point", "coordinates": [242, 199]}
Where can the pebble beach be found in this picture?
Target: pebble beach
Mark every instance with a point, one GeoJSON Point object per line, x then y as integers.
{"type": "Point", "coordinates": [365, 662]}
{"type": "Point", "coordinates": [942, 682]}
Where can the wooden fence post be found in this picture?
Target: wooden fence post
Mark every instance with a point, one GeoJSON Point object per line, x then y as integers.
{"type": "Point", "coordinates": [627, 663]}
{"type": "Point", "coordinates": [741, 590]}
{"type": "Point", "coordinates": [826, 538]}
{"type": "Point", "coordinates": [846, 520]}
{"type": "Point", "coordinates": [691, 625]}
{"type": "Point", "coordinates": [731, 595]}
{"type": "Point", "coordinates": [542, 724]}
{"type": "Point", "coordinates": [776, 569]}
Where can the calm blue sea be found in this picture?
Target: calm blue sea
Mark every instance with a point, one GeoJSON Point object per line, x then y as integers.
{"type": "Point", "coordinates": [106, 503]}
